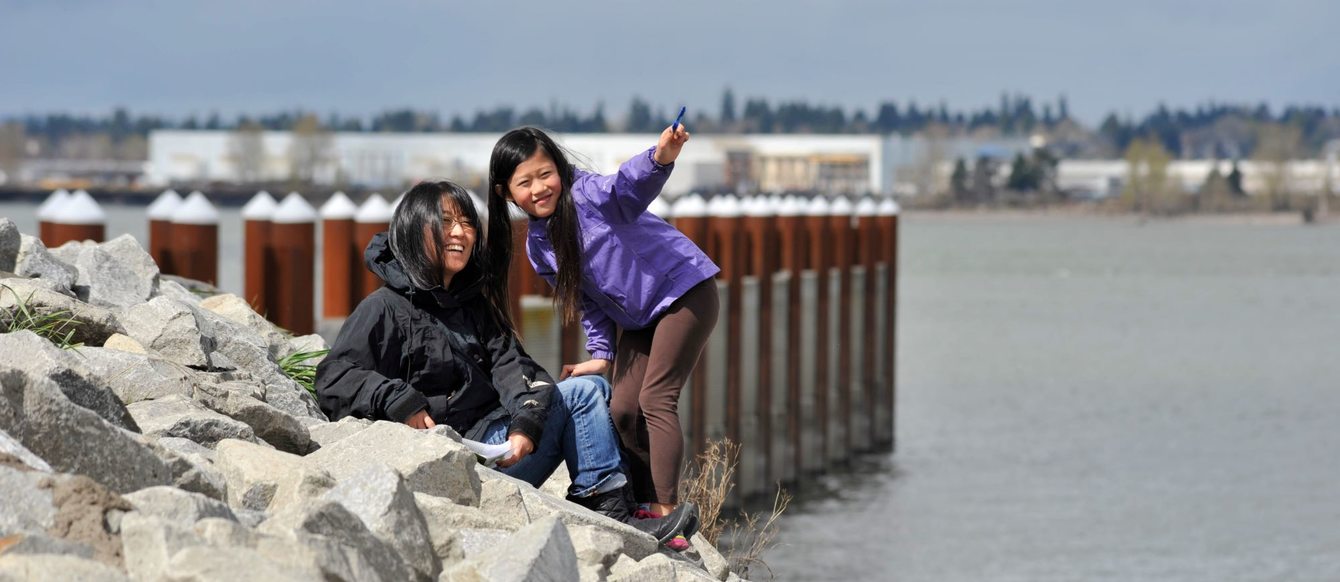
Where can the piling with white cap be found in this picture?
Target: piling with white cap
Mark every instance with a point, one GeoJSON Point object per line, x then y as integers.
{"type": "Point", "coordinates": [888, 221]}
{"type": "Point", "coordinates": [821, 261]}
{"type": "Point", "coordinates": [46, 210]}
{"type": "Point", "coordinates": [159, 214]}
{"type": "Point", "coordinates": [373, 216]}
{"type": "Point", "coordinates": [867, 237]}
{"type": "Point", "coordinates": [761, 262]}
{"type": "Point", "coordinates": [78, 218]}
{"type": "Point", "coordinates": [792, 238]}
{"type": "Point", "coordinates": [194, 234]}
{"type": "Point", "coordinates": [727, 249]}
{"type": "Point", "coordinates": [256, 256]}
{"type": "Point", "coordinates": [290, 288]}
{"type": "Point", "coordinates": [341, 262]}
{"type": "Point", "coordinates": [840, 223]}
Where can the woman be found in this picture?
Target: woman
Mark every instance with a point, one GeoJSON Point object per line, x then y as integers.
{"type": "Point", "coordinates": [427, 348]}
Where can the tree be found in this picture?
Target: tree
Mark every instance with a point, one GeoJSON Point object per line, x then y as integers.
{"type": "Point", "coordinates": [958, 181]}
{"type": "Point", "coordinates": [310, 150]}
{"type": "Point", "coordinates": [727, 109]}
{"type": "Point", "coordinates": [1021, 175]}
{"type": "Point", "coordinates": [981, 186]}
{"type": "Point", "coordinates": [1215, 195]}
{"type": "Point", "coordinates": [1147, 188]}
{"type": "Point", "coordinates": [1235, 181]}
{"type": "Point", "coordinates": [1277, 145]}
{"type": "Point", "coordinates": [247, 147]}
{"type": "Point", "coordinates": [13, 141]}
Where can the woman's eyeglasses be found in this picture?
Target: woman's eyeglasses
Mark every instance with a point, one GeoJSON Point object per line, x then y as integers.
{"type": "Point", "coordinates": [450, 222]}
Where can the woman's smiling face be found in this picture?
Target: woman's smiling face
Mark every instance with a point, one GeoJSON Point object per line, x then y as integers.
{"type": "Point", "coordinates": [458, 234]}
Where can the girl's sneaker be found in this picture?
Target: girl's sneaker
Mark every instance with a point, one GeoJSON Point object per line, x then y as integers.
{"type": "Point", "coordinates": [679, 543]}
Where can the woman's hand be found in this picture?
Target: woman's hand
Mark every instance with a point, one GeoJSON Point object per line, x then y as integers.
{"type": "Point", "coordinates": [420, 419]}
{"type": "Point", "coordinates": [521, 446]}
{"type": "Point", "coordinates": [587, 368]}
{"type": "Point", "coordinates": [672, 140]}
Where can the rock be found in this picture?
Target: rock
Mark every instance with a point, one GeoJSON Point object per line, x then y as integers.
{"type": "Point", "coordinates": [173, 330]}
{"type": "Point", "coordinates": [477, 544]}
{"type": "Point", "coordinates": [192, 467]}
{"type": "Point", "coordinates": [327, 433]}
{"type": "Point", "coordinates": [304, 343]}
{"type": "Point", "coordinates": [73, 439]}
{"type": "Point", "coordinates": [204, 564]}
{"type": "Point", "coordinates": [179, 416]}
{"type": "Point", "coordinates": [44, 567]}
{"type": "Point", "coordinates": [10, 239]}
{"type": "Point", "coordinates": [117, 273]}
{"type": "Point", "coordinates": [182, 508]}
{"type": "Point", "coordinates": [500, 494]}
{"type": "Point", "coordinates": [595, 546]}
{"type": "Point", "coordinates": [81, 323]}
{"type": "Point", "coordinates": [622, 566]}
{"type": "Point", "coordinates": [238, 311]}
{"type": "Point", "coordinates": [332, 531]}
{"type": "Point", "coordinates": [539, 551]}
{"type": "Point", "coordinates": [34, 260]}
{"type": "Point", "coordinates": [149, 542]}
{"type": "Point", "coordinates": [15, 449]}
{"type": "Point", "coordinates": [170, 288]}
{"type": "Point", "coordinates": [124, 343]}
{"type": "Point", "coordinates": [39, 358]}
{"type": "Point", "coordinates": [33, 544]}
{"type": "Point", "coordinates": [87, 513]}
{"type": "Point", "coordinates": [136, 377]}
{"type": "Point", "coordinates": [288, 396]}
{"type": "Point", "coordinates": [715, 564]}
{"type": "Point", "coordinates": [221, 532]}
{"type": "Point", "coordinates": [558, 484]}
{"type": "Point", "coordinates": [270, 424]}
{"type": "Point", "coordinates": [27, 507]}
{"type": "Point", "coordinates": [462, 572]}
{"type": "Point", "coordinates": [429, 463]}
{"type": "Point", "coordinates": [265, 479]}
{"type": "Point", "coordinates": [659, 567]}
{"type": "Point", "coordinates": [445, 519]}
{"type": "Point", "coordinates": [199, 289]}
{"type": "Point", "coordinates": [377, 495]}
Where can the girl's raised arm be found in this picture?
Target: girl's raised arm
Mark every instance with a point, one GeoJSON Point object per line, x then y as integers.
{"type": "Point", "coordinates": [624, 195]}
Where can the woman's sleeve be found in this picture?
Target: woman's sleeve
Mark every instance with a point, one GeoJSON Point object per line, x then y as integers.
{"type": "Point", "coordinates": [524, 388]}
{"type": "Point", "coordinates": [625, 194]}
{"type": "Point", "coordinates": [354, 379]}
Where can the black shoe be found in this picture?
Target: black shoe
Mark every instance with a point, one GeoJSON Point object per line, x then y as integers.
{"type": "Point", "coordinates": [612, 504]}
{"type": "Point", "coordinates": [666, 528]}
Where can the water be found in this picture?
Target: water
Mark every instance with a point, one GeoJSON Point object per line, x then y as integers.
{"type": "Point", "coordinates": [1092, 399]}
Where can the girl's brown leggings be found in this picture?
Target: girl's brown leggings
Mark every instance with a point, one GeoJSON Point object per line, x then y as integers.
{"type": "Point", "coordinates": [650, 368]}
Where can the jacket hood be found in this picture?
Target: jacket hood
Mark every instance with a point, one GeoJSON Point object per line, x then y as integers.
{"type": "Point", "coordinates": [384, 264]}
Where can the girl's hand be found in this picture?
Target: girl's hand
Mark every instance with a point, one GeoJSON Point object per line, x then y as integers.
{"type": "Point", "coordinates": [671, 142]}
{"type": "Point", "coordinates": [420, 419]}
{"type": "Point", "coordinates": [587, 368]}
{"type": "Point", "coordinates": [521, 446]}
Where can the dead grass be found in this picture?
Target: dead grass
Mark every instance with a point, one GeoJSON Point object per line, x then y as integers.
{"type": "Point", "coordinates": [708, 483]}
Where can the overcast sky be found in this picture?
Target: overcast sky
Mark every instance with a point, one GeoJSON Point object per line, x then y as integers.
{"type": "Point", "coordinates": [178, 57]}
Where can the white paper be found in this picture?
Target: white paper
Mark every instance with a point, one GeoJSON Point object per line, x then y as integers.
{"type": "Point", "coordinates": [488, 454]}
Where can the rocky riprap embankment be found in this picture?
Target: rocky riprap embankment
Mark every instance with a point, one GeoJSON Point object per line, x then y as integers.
{"type": "Point", "coordinates": [171, 446]}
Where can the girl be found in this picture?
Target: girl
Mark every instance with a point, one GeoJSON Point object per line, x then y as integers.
{"type": "Point", "coordinates": [644, 291]}
{"type": "Point", "coordinates": [428, 349]}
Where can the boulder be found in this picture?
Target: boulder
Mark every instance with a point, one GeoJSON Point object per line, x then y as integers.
{"type": "Point", "coordinates": [124, 343]}
{"type": "Point", "coordinates": [238, 311]}
{"type": "Point", "coordinates": [206, 564]}
{"type": "Point", "coordinates": [150, 541]}
{"type": "Point", "coordinates": [34, 260]}
{"type": "Point", "coordinates": [10, 239]}
{"type": "Point", "coordinates": [17, 452]}
{"type": "Point", "coordinates": [715, 564]}
{"type": "Point", "coordinates": [304, 343]}
{"type": "Point", "coordinates": [327, 433]}
{"type": "Point", "coordinates": [170, 288]}
{"type": "Point", "coordinates": [173, 330]}
{"type": "Point", "coordinates": [377, 495]}
{"type": "Point", "coordinates": [430, 463]}
{"type": "Point", "coordinates": [595, 546]}
{"type": "Point", "coordinates": [117, 273]}
{"type": "Point", "coordinates": [539, 551]}
{"type": "Point", "coordinates": [79, 322]}
{"type": "Point", "coordinates": [286, 395]}
{"type": "Point", "coordinates": [192, 467]}
{"type": "Point", "coordinates": [34, 544]}
{"type": "Point", "coordinates": [339, 544]}
{"type": "Point", "coordinates": [71, 438]}
{"type": "Point", "coordinates": [446, 519]}
{"type": "Point", "coordinates": [179, 416]}
{"type": "Point", "coordinates": [87, 513]}
{"type": "Point", "coordinates": [136, 377]}
{"type": "Point", "coordinates": [237, 401]}
{"type": "Point", "coordinates": [39, 358]}
{"type": "Point", "coordinates": [264, 479]}
{"type": "Point", "coordinates": [49, 567]}
{"type": "Point", "coordinates": [179, 507]}
{"type": "Point", "coordinates": [659, 567]}
{"type": "Point", "coordinates": [27, 507]}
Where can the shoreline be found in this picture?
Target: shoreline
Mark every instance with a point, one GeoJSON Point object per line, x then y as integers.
{"type": "Point", "coordinates": [994, 215]}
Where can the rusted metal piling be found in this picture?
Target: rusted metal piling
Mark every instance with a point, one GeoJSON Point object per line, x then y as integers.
{"type": "Point", "coordinates": [194, 246]}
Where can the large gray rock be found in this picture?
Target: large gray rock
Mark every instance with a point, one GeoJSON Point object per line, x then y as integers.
{"type": "Point", "coordinates": [265, 479]}
{"type": "Point", "coordinates": [22, 567]}
{"type": "Point", "coordinates": [179, 416]}
{"type": "Point", "coordinates": [34, 260]}
{"type": "Point", "coordinates": [9, 244]}
{"type": "Point", "coordinates": [135, 377]}
{"type": "Point", "coordinates": [539, 551]}
{"type": "Point", "coordinates": [33, 544]}
{"type": "Point", "coordinates": [304, 344]}
{"type": "Point", "coordinates": [39, 358]}
{"type": "Point", "coordinates": [79, 322]}
{"type": "Point", "coordinates": [286, 395]}
{"type": "Point", "coordinates": [513, 499]}
{"type": "Point", "coordinates": [12, 447]}
{"type": "Point", "coordinates": [329, 528]}
{"type": "Point", "coordinates": [377, 495]}
{"type": "Point", "coordinates": [327, 433]}
{"type": "Point", "coordinates": [27, 507]}
{"type": "Point", "coordinates": [716, 564]}
{"type": "Point", "coordinates": [206, 564]}
{"type": "Point", "coordinates": [148, 542]}
{"type": "Point", "coordinates": [73, 439]}
{"type": "Point", "coordinates": [171, 329]}
{"type": "Point", "coordinates": [446, 520]}
{"type": "Point", "coordinates": [237, 401]}
{"type": "Point", "coordinates": [117, 273]}
{"type": "Point", "coordinates": [192, 467]}
{"type": "Point", "coordinates": [595, 546]}
{"type": "Point", "coordinates": [238, 311]}
{"type": "Point", "coordinates": [430, 463]}
{"type": "Point", "coordinates": [179, 507]}
{"type": "Point", "coordinates": [170, 288]}
{"type": "Point", "coordinates": [659, 567]}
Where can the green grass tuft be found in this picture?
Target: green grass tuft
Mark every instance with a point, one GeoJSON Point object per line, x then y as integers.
{"type": "Point", "coordinates": [57, 327]}
{"type": "Point", "coordinates": [303, 374]}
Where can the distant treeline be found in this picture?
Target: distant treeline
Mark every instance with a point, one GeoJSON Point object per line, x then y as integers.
{"type": "Point", "coordinates": [1211, 130]}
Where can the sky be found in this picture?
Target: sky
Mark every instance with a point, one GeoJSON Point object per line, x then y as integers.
{"type": "Point", "coordinates": [184, 57]}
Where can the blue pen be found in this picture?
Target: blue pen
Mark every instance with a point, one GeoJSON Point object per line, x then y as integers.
{"type": "Point", "coordinates": [678, 118]}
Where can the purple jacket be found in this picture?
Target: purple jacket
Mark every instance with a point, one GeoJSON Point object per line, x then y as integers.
{"type": "Point", "coordinates": [634, 265]}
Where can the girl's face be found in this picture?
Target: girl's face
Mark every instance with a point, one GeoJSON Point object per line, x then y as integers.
{"type": "Point", "coordinates": [459, 235]}
{"type": "Point", "coordinates": [535, 185]}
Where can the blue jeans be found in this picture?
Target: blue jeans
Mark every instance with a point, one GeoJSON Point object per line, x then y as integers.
{"type": "Point", "coordinates": [579, 431]}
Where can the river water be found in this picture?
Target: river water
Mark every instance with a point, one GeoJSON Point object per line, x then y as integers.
{"type": "Point", "coordinates": [1096, 399]}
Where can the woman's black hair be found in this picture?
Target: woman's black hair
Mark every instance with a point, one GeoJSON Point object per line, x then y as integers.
{"type": "Point", "coordinates": [416, 227]}
{"type": "Point", "coordinates": [514, 147]}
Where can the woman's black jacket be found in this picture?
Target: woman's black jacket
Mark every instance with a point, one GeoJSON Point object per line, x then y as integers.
{"type": "Point", "coordinates": [405, 349]}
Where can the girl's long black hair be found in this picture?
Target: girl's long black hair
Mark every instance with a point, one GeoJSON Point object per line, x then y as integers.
{"type": "Point", "coordinates": [514, 147]}
{"type": "Point", "coordinates": [416, 227]}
